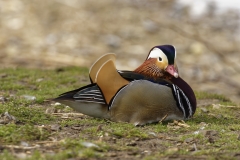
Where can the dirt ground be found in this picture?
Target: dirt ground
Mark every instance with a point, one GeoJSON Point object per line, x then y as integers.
{"type": "Point", "coordinates": [169, 145]}
{"type": "Point", "coordinates": [67, 32]}
{"type": "Point", "coordinates": [122, 146]}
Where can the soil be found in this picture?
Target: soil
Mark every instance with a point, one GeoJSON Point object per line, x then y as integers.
{"type": "Point", "coordinates": [68, 32]}
{"type": "Point", "coordinates": [121, 146]}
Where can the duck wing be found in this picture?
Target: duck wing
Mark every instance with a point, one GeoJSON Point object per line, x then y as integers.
{"type": "Point", "coordinates": [93, 71]}
{"type": "Point", "coordinates": [89, 93]}
{"type": "Point", "coordinates": [109, 80]}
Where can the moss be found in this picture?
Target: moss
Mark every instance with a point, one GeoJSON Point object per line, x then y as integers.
{"type": "Point", "coordinates": [205, 95]}
{"type": "Point", "coordinates": [14, 134]}
{"type": "Point", "coordinates": [6, 155]}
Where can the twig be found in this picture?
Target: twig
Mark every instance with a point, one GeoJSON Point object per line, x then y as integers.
{"type": "Point", "coordinates": [163, 118]}
{"type": "Point", "coordinates": [44, 142]}
{"type": "Point", "coordinates": [195, 147]}
{"type": "Point", "coordinates": [21, 147]}
{"type": "Point", "coordinates": [68, 114]}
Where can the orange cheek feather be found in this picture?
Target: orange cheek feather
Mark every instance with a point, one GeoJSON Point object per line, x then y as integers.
{"type": "Point", "coordinates": [161, 65]}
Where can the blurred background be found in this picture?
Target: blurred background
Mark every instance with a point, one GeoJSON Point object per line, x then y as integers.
{"type": "Point", "coordinates": [51, 34]}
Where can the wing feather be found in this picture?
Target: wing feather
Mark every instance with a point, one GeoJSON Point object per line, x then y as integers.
{"type": "Point", "coordinates": [90, 93]}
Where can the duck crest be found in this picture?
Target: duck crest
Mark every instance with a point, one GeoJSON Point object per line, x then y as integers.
{"type": "Point", "coordinates": [169, 51]}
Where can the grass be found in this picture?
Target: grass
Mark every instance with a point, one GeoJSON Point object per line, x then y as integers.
{"type": "Point", "coordinates": [213, 133]}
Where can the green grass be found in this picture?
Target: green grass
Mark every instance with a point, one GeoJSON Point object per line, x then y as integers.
{"type": "Point", "coordinates": [12, 133]}
{"type": "Point", "coordinates": [221, 98]}
{"type": "Point", "coordinates": [122, 140]}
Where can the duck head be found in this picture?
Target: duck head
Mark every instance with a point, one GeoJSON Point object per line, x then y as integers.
{"type": "Point", "coordinates": [160, 63]}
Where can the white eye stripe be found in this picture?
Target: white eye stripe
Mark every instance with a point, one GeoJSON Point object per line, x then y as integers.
{"type": "Point", "coordinates": [156, 53]}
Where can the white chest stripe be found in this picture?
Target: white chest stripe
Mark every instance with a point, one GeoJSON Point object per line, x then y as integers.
{"type": "Point", "coordinates": [180, 97]}
{"type": "Point", "coordinates": [176, 91]}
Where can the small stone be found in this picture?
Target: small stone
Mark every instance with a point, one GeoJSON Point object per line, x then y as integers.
{"type": "Point", "coordinates": [132, 153]}
{"type": "Point", "coordinates": [211, 133]}
{"type": "Point", "coordinates": [106, 134]}
{"type": "Point", "coordinates": [50, 110]}
{"type": "Point", "coordinates": [112, 154]}
{"type": "Point", "coordinates": [181, 123]}
{"type": "Point", "coordinates": [21, 155]}
{"type": "Point", "coordinates": [204, 110]}
{"type": "Point", "coordinates": [10, 117]}
{"type": "Point", "coordinates": [6, 118]}
{"type": "Point", "coordinates": [29, 98]}
{"type": "Point", "coordinates": [137, 139]}
{"type": "Point", "coordinates": [55, 127]}
{"type": "Point", "coordinates": [132, 143]}
{"type": "Point", "coordinates": [99, 128]}
{"type": "Point", "coordinates": [4, 75]}
{"type": "Point", "coordinates": [64, 116]}
{"type": "Point", "coordinates": [12, 95]}
{"type": "Point", "coordinates": [238, 138]}
{"type": "Point", "coordinates": [189, 140]}
{"type": "Point", "coordinates": [172, 150]}
{"type": "Point", "coordinates": [211, 140]}
{"type": "Point", "coordinates": [76, 127]}
{"type": "Point", "coordinates": [203, 124]}
{"type": "Point", "coordinates": [152, 134]}
{"type": "Point", "coordinates": [24, 144]}
{"type": "Point", "coordinates": [219, 116]}
{"type": "Point", "coordinates": [216, 106]}
{"type": "Point", "coordinates": [113, 139]}
{"type": "Point", "coordinates": [60, 70]}
{"type": "Point", "coordinates": [89, 145]}
{"type": "Point", "coordinates": [3, 99]}
{"type": "Point", "coordinates": [193, 148]}
{"type": "Point", "coordinates": [146, 152]}
{"type": "Point", "coordinates": [56, 104]}
{"type": "Point", "coordinates": [39, 79]}
{"type": "Point", "coordinates": [202, 127]}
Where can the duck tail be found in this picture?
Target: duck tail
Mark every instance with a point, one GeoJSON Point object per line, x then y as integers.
{"type": "Point", "coordinates": [87, 100]}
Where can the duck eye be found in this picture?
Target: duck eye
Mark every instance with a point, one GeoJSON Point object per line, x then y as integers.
{"type": "Point", "coordinates": [159, 58]}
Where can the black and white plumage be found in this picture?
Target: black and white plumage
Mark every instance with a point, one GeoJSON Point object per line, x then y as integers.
{"type": "Point", "coordinates": [91, 94]}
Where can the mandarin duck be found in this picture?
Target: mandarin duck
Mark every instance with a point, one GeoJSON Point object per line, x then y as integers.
{"type": "Point", "coordinates": [152, 92]}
